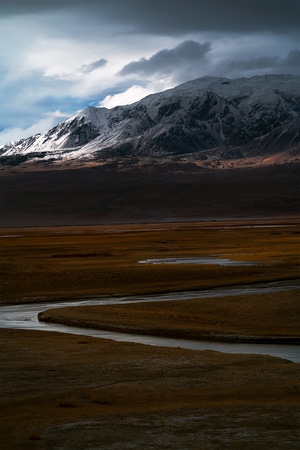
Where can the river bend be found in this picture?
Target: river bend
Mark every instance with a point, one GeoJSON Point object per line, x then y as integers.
{"type": "Point", "coordinates": [25, 316]}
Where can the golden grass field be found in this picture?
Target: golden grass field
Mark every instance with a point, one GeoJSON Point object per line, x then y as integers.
{"type": "Point", "coordinates": [68, 262]}
{"type": "Point", "coordinates": [62, 391]}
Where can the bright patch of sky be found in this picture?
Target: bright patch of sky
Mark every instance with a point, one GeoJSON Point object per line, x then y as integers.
{"type": "Point", "coordinates": [59, 57]}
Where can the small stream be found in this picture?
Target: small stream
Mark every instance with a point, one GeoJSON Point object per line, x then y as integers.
{"type": "Point", "coordinates": [25, 316]}
{"type": "Point", "coordinates": [211, 260]}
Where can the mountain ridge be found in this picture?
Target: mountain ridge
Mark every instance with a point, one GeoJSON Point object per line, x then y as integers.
{"type": "Point", "coordinates": [210, 122]}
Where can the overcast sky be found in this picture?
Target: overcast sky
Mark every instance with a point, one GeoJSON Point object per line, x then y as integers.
{"type": "Point", "coordinates": [60, 56]}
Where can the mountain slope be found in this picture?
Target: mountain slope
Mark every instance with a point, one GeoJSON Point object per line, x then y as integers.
{"type": "Point", "coordinates": [210, 122]}
{"type": "Point", "coordinates": [105, 194]}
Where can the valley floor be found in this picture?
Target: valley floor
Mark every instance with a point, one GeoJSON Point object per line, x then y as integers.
{"type": "Point", "coordinates": [66, 391]}
{"type": "Point", "coordinates": [80, 393]}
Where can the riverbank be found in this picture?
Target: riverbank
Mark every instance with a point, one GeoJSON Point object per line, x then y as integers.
{"type": "Point", "coordinates": [265, 318]}
{"type": "Point", "coordinates": [66, 391]}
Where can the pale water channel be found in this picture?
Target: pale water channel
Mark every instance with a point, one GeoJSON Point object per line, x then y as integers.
{"type": "Point", "coordinates": [211, 260]}
{"type": "Point", "coordinates": [26, 317]}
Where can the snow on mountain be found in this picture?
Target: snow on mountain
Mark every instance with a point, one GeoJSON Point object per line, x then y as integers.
{"type": "Point", "coordinates": [204, 121]}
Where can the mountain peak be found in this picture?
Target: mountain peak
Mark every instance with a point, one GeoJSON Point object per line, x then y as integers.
{"type": "Point", "coordinates": [209, 121]}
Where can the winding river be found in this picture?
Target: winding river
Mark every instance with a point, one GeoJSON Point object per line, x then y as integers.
{"type": "Point", "coordinates": [25, 316]}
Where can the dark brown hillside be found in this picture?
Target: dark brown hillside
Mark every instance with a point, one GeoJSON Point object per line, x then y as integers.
{"type": "Point", "coordinates": [160, 193]}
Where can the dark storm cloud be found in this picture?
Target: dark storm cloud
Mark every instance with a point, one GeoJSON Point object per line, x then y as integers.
{"type": "Point", "coordinates": [263, 62]}
{"type": "Point", "coordinates": [165, 61]}
{"type": "Point", "coordinates": [175, 16]}
{"type": "Point", "coordinates": [289, 63]}
{"type": "Point", "coordinates": [181, 16]}
{"type": "Point", "coordinates": [88, 68]}
{"type": "Point", "coordinates": [9, 7]}
{"type": "Point", "coordinates": [292, 59]}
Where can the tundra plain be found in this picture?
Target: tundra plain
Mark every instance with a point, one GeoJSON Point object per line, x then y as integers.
{"type": "Point", "coordinates": [65, 391]}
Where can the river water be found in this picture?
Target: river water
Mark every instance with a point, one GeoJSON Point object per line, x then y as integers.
{"type": "Point", "coordinates": [25, 316]}
{"type": "Point", "coordinates": [201, 260]}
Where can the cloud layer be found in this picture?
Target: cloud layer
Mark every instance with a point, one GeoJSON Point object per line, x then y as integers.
{"type": "Point", "coordinates": [166, 61]}
{"type": "Point", "coordinates": [174, 16]}
{"type": "Point", "coordinates": [63, 56]}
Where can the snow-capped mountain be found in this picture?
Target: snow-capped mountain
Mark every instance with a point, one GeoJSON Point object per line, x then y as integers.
{"type": "Point", "coordinates": [211, 122]}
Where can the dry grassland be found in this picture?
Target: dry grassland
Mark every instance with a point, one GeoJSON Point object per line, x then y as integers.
{"type": "Point", "coordinates": [64, 392]}
{"type": "Point", "coordinates": [62, 263]}
{"type": "Point", "coordinates": [69, 392]}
